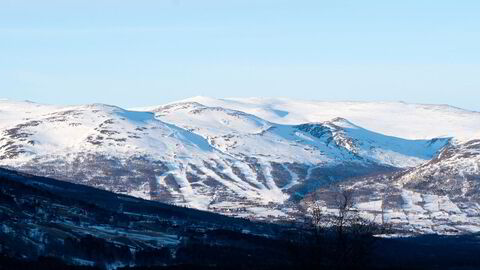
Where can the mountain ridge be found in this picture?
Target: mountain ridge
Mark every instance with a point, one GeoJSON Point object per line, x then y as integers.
{"type": "Point", "coordinates": [428, 120]}
{"type": "Point", "coordinates": [217, 158]}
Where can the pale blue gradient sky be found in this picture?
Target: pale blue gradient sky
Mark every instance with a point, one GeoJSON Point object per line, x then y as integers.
{"type": "Point", "coordinates": [133, 53]}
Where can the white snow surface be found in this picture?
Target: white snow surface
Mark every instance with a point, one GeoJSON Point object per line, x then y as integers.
{"type": "Point", "coordinates": [241, 134]}
{"type": "Point", "coordinates": [65, 129]}
{"type": "Point", "coordinates": [400, 119]}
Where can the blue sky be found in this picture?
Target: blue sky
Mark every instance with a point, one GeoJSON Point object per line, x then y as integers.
{"type": "Point", "coordinates": [132, 53]}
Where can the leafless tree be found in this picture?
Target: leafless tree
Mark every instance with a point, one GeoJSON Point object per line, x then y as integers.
{"type": "Point", "coordinates": [350, 235]}
{"type": "Point", "coordinates": [345, 216]}
{"type": "Point", "coordinates": [385, 227]}
{"type": "Point", "coordinates": [319, 222]}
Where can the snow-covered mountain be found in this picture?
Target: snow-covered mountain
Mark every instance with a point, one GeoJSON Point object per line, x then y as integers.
{"type": "Point", "coordinates": [246, 157]}
{"type": "Point", "coordinates": [405, 120]}
{"type": "Point", "coordinates": [241, 134]}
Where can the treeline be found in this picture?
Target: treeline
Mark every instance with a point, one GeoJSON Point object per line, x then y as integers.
{"type": "Point", "coordinates": [294, 249]}
{"type": "Point", "coordinates": [42, 228]}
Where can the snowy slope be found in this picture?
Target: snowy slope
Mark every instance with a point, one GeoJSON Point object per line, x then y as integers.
{"type": "Point", "coordinates": [104, 146]}
{"type": "Point", "coordinates": [437, 196]}
{"type": "Point", "coordinates": [241, 134]}
{"type": "Point", "coordinates": [52, 130]}
{"type": "Point", "coordinates": [405, 120]}
{"type": "Point", "coordinates": [454, 171]}
{"type": "Point", "coordinates": [440, 196]}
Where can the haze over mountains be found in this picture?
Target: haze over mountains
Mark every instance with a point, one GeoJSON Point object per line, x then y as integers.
{"type": "Point", "coordinates": [262, 158]}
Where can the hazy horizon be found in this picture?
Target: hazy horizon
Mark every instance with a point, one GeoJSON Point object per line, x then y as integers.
{"type": "Point", "coordinates": [146, 105]}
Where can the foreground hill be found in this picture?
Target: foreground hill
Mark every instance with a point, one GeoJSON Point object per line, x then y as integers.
{"type": "Point", "coordinates": [87, 226]}
{"type": "Point", "coordinates": [50, 224]}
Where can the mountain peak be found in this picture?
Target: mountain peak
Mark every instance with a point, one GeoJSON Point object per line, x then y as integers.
{"type": "Point", "coordinates": [342, 122]}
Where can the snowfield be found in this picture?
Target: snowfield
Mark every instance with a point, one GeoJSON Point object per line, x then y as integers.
{"type": "Point", "coordinates": [405, 120]}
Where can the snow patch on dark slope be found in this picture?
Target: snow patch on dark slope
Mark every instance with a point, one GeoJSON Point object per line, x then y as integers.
{"type": "Point", "coordinates": [440, 196]}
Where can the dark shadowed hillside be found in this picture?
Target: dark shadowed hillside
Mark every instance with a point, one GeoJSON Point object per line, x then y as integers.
{"type": "Point", "coordinates": [51, 224]}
